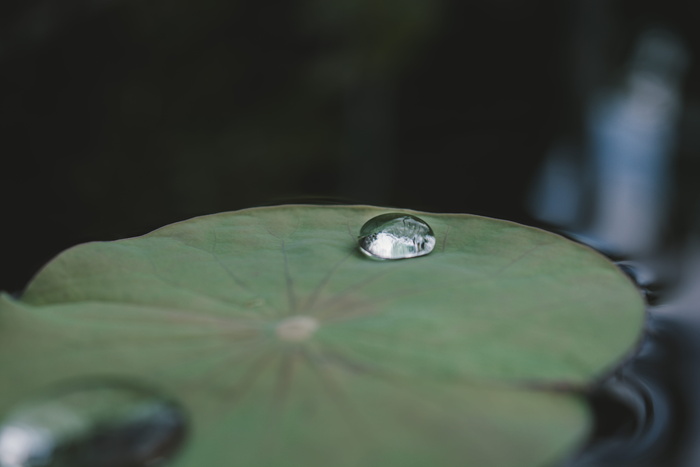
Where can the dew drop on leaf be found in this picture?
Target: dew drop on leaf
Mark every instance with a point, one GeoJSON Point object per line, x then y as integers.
{"type": "Point", "coordinates": [96, 424]}
{"type": "Point", "coordinates": [396, 236]}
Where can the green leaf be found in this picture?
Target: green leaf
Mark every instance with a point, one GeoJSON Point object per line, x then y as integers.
{"type": "Point", "coordinates": [290, 348]}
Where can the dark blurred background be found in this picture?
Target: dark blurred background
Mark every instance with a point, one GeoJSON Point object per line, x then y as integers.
{"type": "Point", "coordinates": [120, 116]}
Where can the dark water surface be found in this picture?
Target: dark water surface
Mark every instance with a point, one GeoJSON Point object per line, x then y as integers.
{"type": "Point", "coordinates": [646, 411]}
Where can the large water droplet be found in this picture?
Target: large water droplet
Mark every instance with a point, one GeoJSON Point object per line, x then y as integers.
{"type": "Point", "coordinates": [396, 236]}
{"type": "Point", "coordinates": [94, 424]}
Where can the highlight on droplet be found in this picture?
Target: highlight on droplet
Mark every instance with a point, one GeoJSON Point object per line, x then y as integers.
{"type": "Point", "coordinates": [396, 236]}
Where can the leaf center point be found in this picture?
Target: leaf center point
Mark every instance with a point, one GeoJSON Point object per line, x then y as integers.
{"type": "Point", "coordinates": [296, 328]}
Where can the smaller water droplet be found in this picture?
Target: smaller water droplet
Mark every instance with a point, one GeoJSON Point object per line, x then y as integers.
{"type": "Point", "coordinates": [296, 328]}
{"type": "Point", "coordinates": [94, 424]}
{"type": "Point", "coordinates": [396, 236]}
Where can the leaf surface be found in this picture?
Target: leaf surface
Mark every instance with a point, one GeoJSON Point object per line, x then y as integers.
{"type": "Point", "coordinates": [290, 348]}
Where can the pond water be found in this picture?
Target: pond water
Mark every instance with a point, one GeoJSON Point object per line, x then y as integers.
{"type": "Point", "coordinates": [646, 412]}
{"type": "Point", "coordinates": [628, 208]}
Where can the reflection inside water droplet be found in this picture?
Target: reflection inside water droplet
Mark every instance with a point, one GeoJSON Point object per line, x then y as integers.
{"type": "Point", "coordinates": [396, 236]}
{"type": "Point", "coordinates": [88, 425]}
